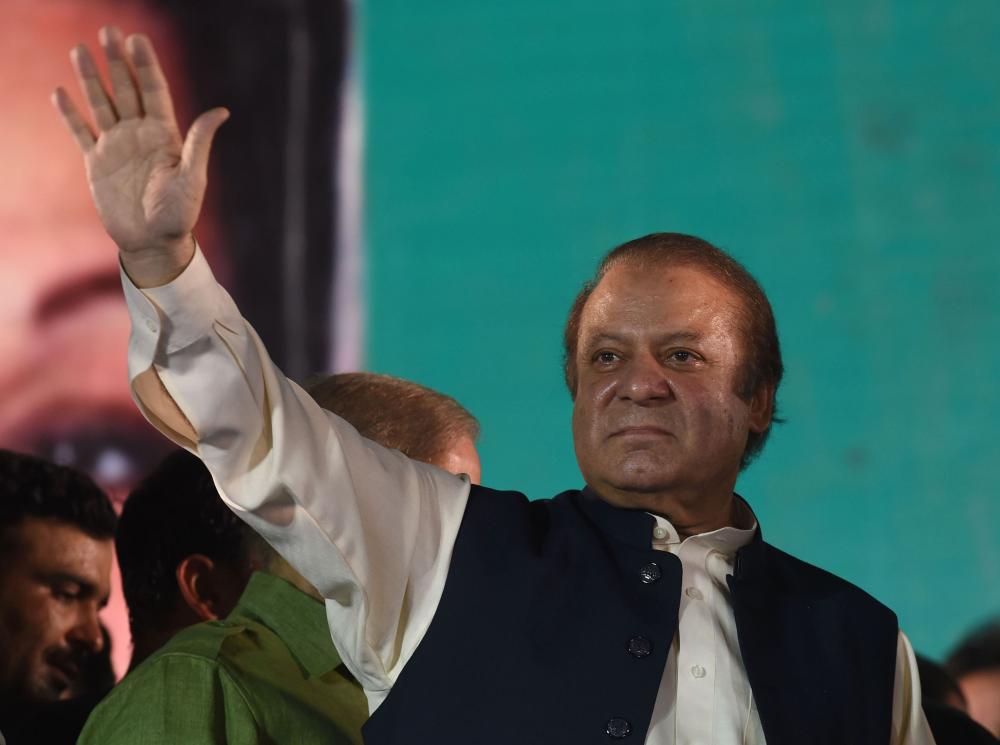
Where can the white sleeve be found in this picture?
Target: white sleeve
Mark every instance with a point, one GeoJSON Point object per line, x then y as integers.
{"type": "Point", "coordinates": [372, 530]}
{"type": "Point", "coordinates": [909, 725]}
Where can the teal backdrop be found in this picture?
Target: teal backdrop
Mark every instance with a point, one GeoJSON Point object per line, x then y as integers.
{"type": "Point", "coordinates": [847, 152]}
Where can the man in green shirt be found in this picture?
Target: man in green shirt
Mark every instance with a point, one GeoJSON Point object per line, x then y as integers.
{"type": "Point", "coordinates": [268, 672]}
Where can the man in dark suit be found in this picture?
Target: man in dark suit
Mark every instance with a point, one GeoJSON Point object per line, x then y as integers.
{"type": "Point", "coordinates": [644, 607]}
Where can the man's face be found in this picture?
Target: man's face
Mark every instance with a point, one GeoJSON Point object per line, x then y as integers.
{"type": "Point", "coordinates": [63, 325]}
{"type": "Point", "coordinates": [53, 581]}
{"type": "Point", "coordinates": [656, 410]}
{"type": "Point", "coordinates": [982, 692]}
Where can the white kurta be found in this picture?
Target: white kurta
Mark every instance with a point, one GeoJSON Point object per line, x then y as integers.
{"type": "Point", "coordinates": [373, 531]}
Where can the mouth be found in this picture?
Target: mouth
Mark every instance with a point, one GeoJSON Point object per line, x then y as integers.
{"type": "Point", "coordinates": [63, 673]}
{"type": "Point", "coordinates": [643, 430]}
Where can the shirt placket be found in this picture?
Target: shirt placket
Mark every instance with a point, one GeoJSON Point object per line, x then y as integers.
{"type": "Point", "coordinates": [696, 651]}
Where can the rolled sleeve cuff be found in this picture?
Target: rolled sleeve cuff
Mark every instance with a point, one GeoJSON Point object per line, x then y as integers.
{"type": "Point", "coordinates": [169, 318]}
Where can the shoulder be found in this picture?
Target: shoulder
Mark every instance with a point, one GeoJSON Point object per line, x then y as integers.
{"type": "Point", "coordinates": [513, 506]}
{"type": "Point", "coordinates": [511, 514]}
{"type": "Point", "coordinates": [518, 504]}
{"type": "Point", "coordinates": [821, 587]}
{"type": "Point", "coordinates": [187, 675]}
{"type": "Point", "coordinates": [203, 641]}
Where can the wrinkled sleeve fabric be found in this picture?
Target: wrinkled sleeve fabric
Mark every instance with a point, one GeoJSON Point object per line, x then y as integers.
{"type": "Point", "coordinates": [909, 725]}
{"type": "Point", "coordinates": [372, 530]}
{"type": "Point", "coordinates": [174, 699]}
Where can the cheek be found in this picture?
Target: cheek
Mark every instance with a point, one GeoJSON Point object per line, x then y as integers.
{"type": "Point", "coordinates": [592, 397]}
{"type": "Point", "coordinates": [584, 433]}
{"type": "Point", "coordinates": [12, 628]}
{"type": "Point", "coordinates": [603, 389]}
{"type": "Point", "coordinates": [721, 415]}
{"type": "Point", "coordinates": [23, 632]}
{"type": "Point", "coordinates": [734, 423]}
{"type": "Point", "coordinates": [585, 409]}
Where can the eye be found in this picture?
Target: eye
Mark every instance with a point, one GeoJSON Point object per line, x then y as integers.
{"type": "Point", "coordinates": [606, 358]}
{"type": "Point", "coordinates": [682, 356]}
{"type": "Point", "coordinates": [66, 593]}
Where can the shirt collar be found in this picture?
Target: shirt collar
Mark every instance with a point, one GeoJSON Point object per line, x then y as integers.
{"type": "Point", "coordinates": [637, 528]}
{"type": "Point", "coordinates": [725, 540]}
{"type": "Point", "coordinates": [296, 618]}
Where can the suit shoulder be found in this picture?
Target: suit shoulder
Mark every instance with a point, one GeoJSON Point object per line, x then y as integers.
{"type": "Point", "coordinates": [823, 585]}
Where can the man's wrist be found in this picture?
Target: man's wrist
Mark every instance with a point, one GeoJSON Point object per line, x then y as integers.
{"type": "Point", "coordinates": [156, 266]}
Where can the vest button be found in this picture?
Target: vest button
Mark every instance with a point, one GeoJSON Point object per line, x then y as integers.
{"type": "Point", "coordinates": [650, 573]}
{"type": "Point", "coordinates": [618, 728]}
{"type": "Point", "coordinates": [640, 646]}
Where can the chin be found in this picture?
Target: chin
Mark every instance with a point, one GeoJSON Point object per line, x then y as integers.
{"type": "Point", "coordinates": [644, 475]}
{"type": "Point", "coordinates": [643, 483]}
{"type": "Point", "coordinates": [48, 691]}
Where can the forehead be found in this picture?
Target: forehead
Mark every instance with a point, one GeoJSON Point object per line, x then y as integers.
{"type": "Point", "coordinates": [668, 298]}
{"type": "Point", "coordinates": [461, 457]}
{"type": "Point", "coordinates": [49, 545]}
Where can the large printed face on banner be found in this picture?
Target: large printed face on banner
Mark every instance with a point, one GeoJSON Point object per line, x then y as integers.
{"type": "Point", "coordinates": [63, 325]}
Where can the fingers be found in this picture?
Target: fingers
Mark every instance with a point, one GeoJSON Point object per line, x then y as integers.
{"type": "Point", "coordinates": [154, 95]}
{"type": "Point", "coordinates": [76, 124]}
{"type": "Point", "coordinates": [123, 83]}
{"type": "Point", "coordinates": [90, 82]}
{"type": "Point", "coordinates": [194, 156]}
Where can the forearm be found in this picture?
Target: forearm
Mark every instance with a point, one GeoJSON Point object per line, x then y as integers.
{"type": "Point", "coordinates": [370, 529]}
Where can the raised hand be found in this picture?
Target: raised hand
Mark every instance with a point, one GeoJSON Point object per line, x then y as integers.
{"type": "Point", "coordinates": [147, 181]}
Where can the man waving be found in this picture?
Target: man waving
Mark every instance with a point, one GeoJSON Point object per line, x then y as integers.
{"type": "Point", "coordinates": [646, 607]}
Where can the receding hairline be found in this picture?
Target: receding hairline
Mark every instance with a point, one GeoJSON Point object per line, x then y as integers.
{"type": "Point", "coordinates": [647, 261]}
{"type": "Point", "coordinates": [759, 346]}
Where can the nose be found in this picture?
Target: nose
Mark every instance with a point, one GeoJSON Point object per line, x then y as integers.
{"type": "Point", "coordinates": [87, 632]}
{"type": "Point", "coordinates": [644, 382]}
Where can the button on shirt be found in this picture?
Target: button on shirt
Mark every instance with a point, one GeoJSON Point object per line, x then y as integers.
{"type": "Point", "coordinates": [705, 695]}
{"type": "Point", "coordinates": [316, 490]}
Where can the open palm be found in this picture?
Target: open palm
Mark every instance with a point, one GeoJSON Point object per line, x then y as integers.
{"type": "Point", "coordinates": [147, 181]}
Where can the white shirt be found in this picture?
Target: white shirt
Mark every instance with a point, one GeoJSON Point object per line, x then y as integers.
{"type": "Point", "coordinates": [705, 695]}
{"type": "Point", "coordinates": [373, 531]}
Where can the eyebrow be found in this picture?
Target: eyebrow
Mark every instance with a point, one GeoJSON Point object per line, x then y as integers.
{"type": "Point", "coordinates": [670, 338]}
{"type": "Point", "coordinates": [67, 296]}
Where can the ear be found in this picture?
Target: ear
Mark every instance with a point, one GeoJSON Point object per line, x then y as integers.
{"type": "Point", "coordinates": [761, 409]}
{"type": "Point", "coordinates": [196, 581]}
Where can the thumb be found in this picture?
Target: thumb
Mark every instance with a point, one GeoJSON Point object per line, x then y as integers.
{"type": "Point", "coordinates": [198, 144]}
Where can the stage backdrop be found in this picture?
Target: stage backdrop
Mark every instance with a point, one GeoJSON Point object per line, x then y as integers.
{"type": "Point", "coordinates": [848, 152]}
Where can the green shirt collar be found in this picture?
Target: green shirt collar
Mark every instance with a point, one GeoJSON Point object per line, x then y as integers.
{"type": "Point", "coordinates": [296, 618]}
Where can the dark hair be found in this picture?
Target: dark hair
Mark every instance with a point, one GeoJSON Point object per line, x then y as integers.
{"type": "Point", "coordinates": [173, 513]}
{"type": "Point", "coordinates": [762, 365]}
{"type": "Point", "coordinates": [936, 684]}
{"type": "Point", "coordinates": [399, 414]}
{"type": "Point", "coordinates": [34, 487]}
{"type": "Point", "coordinates": [978, 651]}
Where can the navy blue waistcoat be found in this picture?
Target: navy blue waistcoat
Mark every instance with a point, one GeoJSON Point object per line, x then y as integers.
{"type": "Point", "coordinates": [557, 616]}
